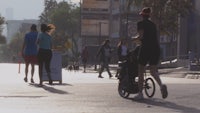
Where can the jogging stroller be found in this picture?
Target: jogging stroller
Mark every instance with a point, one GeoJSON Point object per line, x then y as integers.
{"type": "Point", "coordinates": [128, 84]}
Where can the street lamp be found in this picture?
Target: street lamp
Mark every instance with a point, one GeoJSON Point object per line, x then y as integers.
{"type": "Point", "coordinates": [80, 34]}
{"type": "Point", "coordinates": [178, 38]}
{"type": "Point", "coordinates": [127, 15]}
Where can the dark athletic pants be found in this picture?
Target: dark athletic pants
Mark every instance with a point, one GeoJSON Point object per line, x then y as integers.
{"type": "Point", "coordinates": [44, 58]}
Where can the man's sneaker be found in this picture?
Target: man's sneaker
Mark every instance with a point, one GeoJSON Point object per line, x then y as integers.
{"type": "Point", "coordinates": [139, 96]}
{"type": "Point", "coordinates": [40, 84]}
{"type": "Point", "coordinates": [32, 81]}
{"type": "Point", "coordinates": [25, 79]}
{"type": "Point", "coordinates": [164, 91]}
{"type": "Point", "coordinates": [50, 82]}
{"type": "Point", "coordinates": [100, 76]}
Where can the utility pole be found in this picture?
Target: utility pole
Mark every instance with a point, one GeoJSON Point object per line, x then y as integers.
{"type": "Point", "coordinates": [178, 36]}
{"type": "Point", "coordinates": [127, 15]}
{"type": "Point", "coordinates": [100, 32]}
{"type": "Point", "coordinates": [80, 34]}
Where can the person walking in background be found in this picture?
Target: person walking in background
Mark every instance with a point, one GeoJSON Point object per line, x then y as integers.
{"type": "Point", "coordinates": [149, 52]}
{"type": "Point", "coordinates": [122, 52]}
{"type": "Point", "coordinates": [84, 56]}
{"type": "Point", "coordinates": [105, 55]}
{"type": "Point", "coordinates": [29, 51]}
{"type": "Point", "coordinates": [45, 52]}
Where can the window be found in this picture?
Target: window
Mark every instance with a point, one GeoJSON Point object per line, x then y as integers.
{"type": "Point", "coordinates": [85, 9]}
{"type": "Point", "coordinates": [98, 9]}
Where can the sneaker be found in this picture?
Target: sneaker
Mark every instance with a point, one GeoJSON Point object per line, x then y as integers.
{"type": "Point", "coordinates": [110, 76]}
{"type": "Point", "coordinates": [50, 82]}
{"type": "Point", "coordinates": [40, 84]}
{"type": "Point", "coordinates": [164, 91]}
{"type": "Point", "coordinates": [32, 81]}
{"type": "Point", "coordinates": [25, 79]}
{"type": "Point", "coordinates": [139, 96]}
{"type": "Point", "coordinates": [100, 76]}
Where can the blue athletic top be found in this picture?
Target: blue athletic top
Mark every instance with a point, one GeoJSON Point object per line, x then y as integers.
{"type": "Point", "coordinates": [30, 43]}
{"type": "Point", "coordinates": [44, 41]}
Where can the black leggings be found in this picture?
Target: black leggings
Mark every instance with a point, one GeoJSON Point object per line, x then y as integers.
{"type": "Point", "coordinates": [44, 57]}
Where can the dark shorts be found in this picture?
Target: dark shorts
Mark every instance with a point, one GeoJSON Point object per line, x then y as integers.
{"type": "Point", "coordinates": [31, 59]}
{"type": "Point", "coordinates": [149, 56]}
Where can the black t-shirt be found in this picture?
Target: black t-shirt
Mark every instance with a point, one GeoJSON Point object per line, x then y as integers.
{"type": "Point", "coordinates": [149, 38]}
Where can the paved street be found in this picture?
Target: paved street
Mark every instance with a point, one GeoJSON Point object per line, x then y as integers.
{"type": "Point", "coordinates": [85, 93]}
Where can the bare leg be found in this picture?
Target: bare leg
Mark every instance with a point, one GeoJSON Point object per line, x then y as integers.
{"type": "Point", "coordinates": [32, 72]}
{"type": "Point", "coordinates": [163, 88]}
{"type": "Point", "coordinates": [141, 77]}
{"type": "Point", "coordinates": [154, 73]}
{"type": "Point", "coordinates": [26, 71]}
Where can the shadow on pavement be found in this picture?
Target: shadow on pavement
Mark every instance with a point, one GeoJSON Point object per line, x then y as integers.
{"type": "Point", "coordinates": [63, 84]}
{"type": "Point", "coordinates": [54, 90]}
{"type": "Point", "coordinates": [166, 104]}
{"type": "Point", "coordinates": [51, 89]}
{"type": "Point", "coordinates": [19, 96]}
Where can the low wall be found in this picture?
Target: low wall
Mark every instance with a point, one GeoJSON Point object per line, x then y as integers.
{"type": "Point", "coordinates": [175, 63]}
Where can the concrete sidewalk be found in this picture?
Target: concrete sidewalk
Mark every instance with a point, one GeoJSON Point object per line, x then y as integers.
{"type": "Point", "coordinates": [79, 93]}
{"type": "Point", "coordinates": [180, 72]}
{"type": "Point", "coordinates": [10, 72]}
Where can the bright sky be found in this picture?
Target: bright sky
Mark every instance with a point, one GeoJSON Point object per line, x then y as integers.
{"type": "Point", "coordinates": [24, 9]}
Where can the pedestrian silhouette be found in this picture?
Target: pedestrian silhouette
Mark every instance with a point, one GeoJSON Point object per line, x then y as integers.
{"type": "Point", "coordinates": [149, 52]}
{"type": "Point", "coordinates": [84, 57]}
{"type": "Point", "coordinates": [29, 51]}
{"type": "Point", "coordinates": [45, 52]}
{"type": "Point", "coordinates": [104, 53]}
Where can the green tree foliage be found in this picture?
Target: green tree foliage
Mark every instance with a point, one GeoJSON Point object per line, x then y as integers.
{"type": "Point", "coordinates": [50, 6]}
{"type": "Point", "coordinates": [17, 40]}
{"type": "Point", "coordinates": [66, 17]}
{"type": "Point", "coordinates": [2, 21]}
{"type": "Point", "coordinates": [2, 38]}
{"type": "Point", "coordinates": [13, 49]}
{"type": "Point", "coordinates": [16, 43]}
{"type": "Point", "coordinates": [165, 13]}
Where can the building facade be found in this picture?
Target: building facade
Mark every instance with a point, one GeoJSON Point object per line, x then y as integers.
{"type": "Point", "coordinates": [113, 19]}
{"type": "Point", "coordinates": [192, 32]}
{"type": "Point", "coordinates": [102, 19]}
{"type": "Point", "coordinates": [95, 21]}
{"type": "Point", "coordinates": [188, 39]}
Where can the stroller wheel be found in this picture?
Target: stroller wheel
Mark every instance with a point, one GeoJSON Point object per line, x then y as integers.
{"type": "Point", "coordinates": [149, 87]}
{"type": "Point", "coordinates": [122, 91]}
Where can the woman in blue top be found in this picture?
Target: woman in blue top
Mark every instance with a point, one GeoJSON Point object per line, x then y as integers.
{"type": "Point", "coordinates": [45, 52]}
{"type": "Point", "coordinates": [29, 51]}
